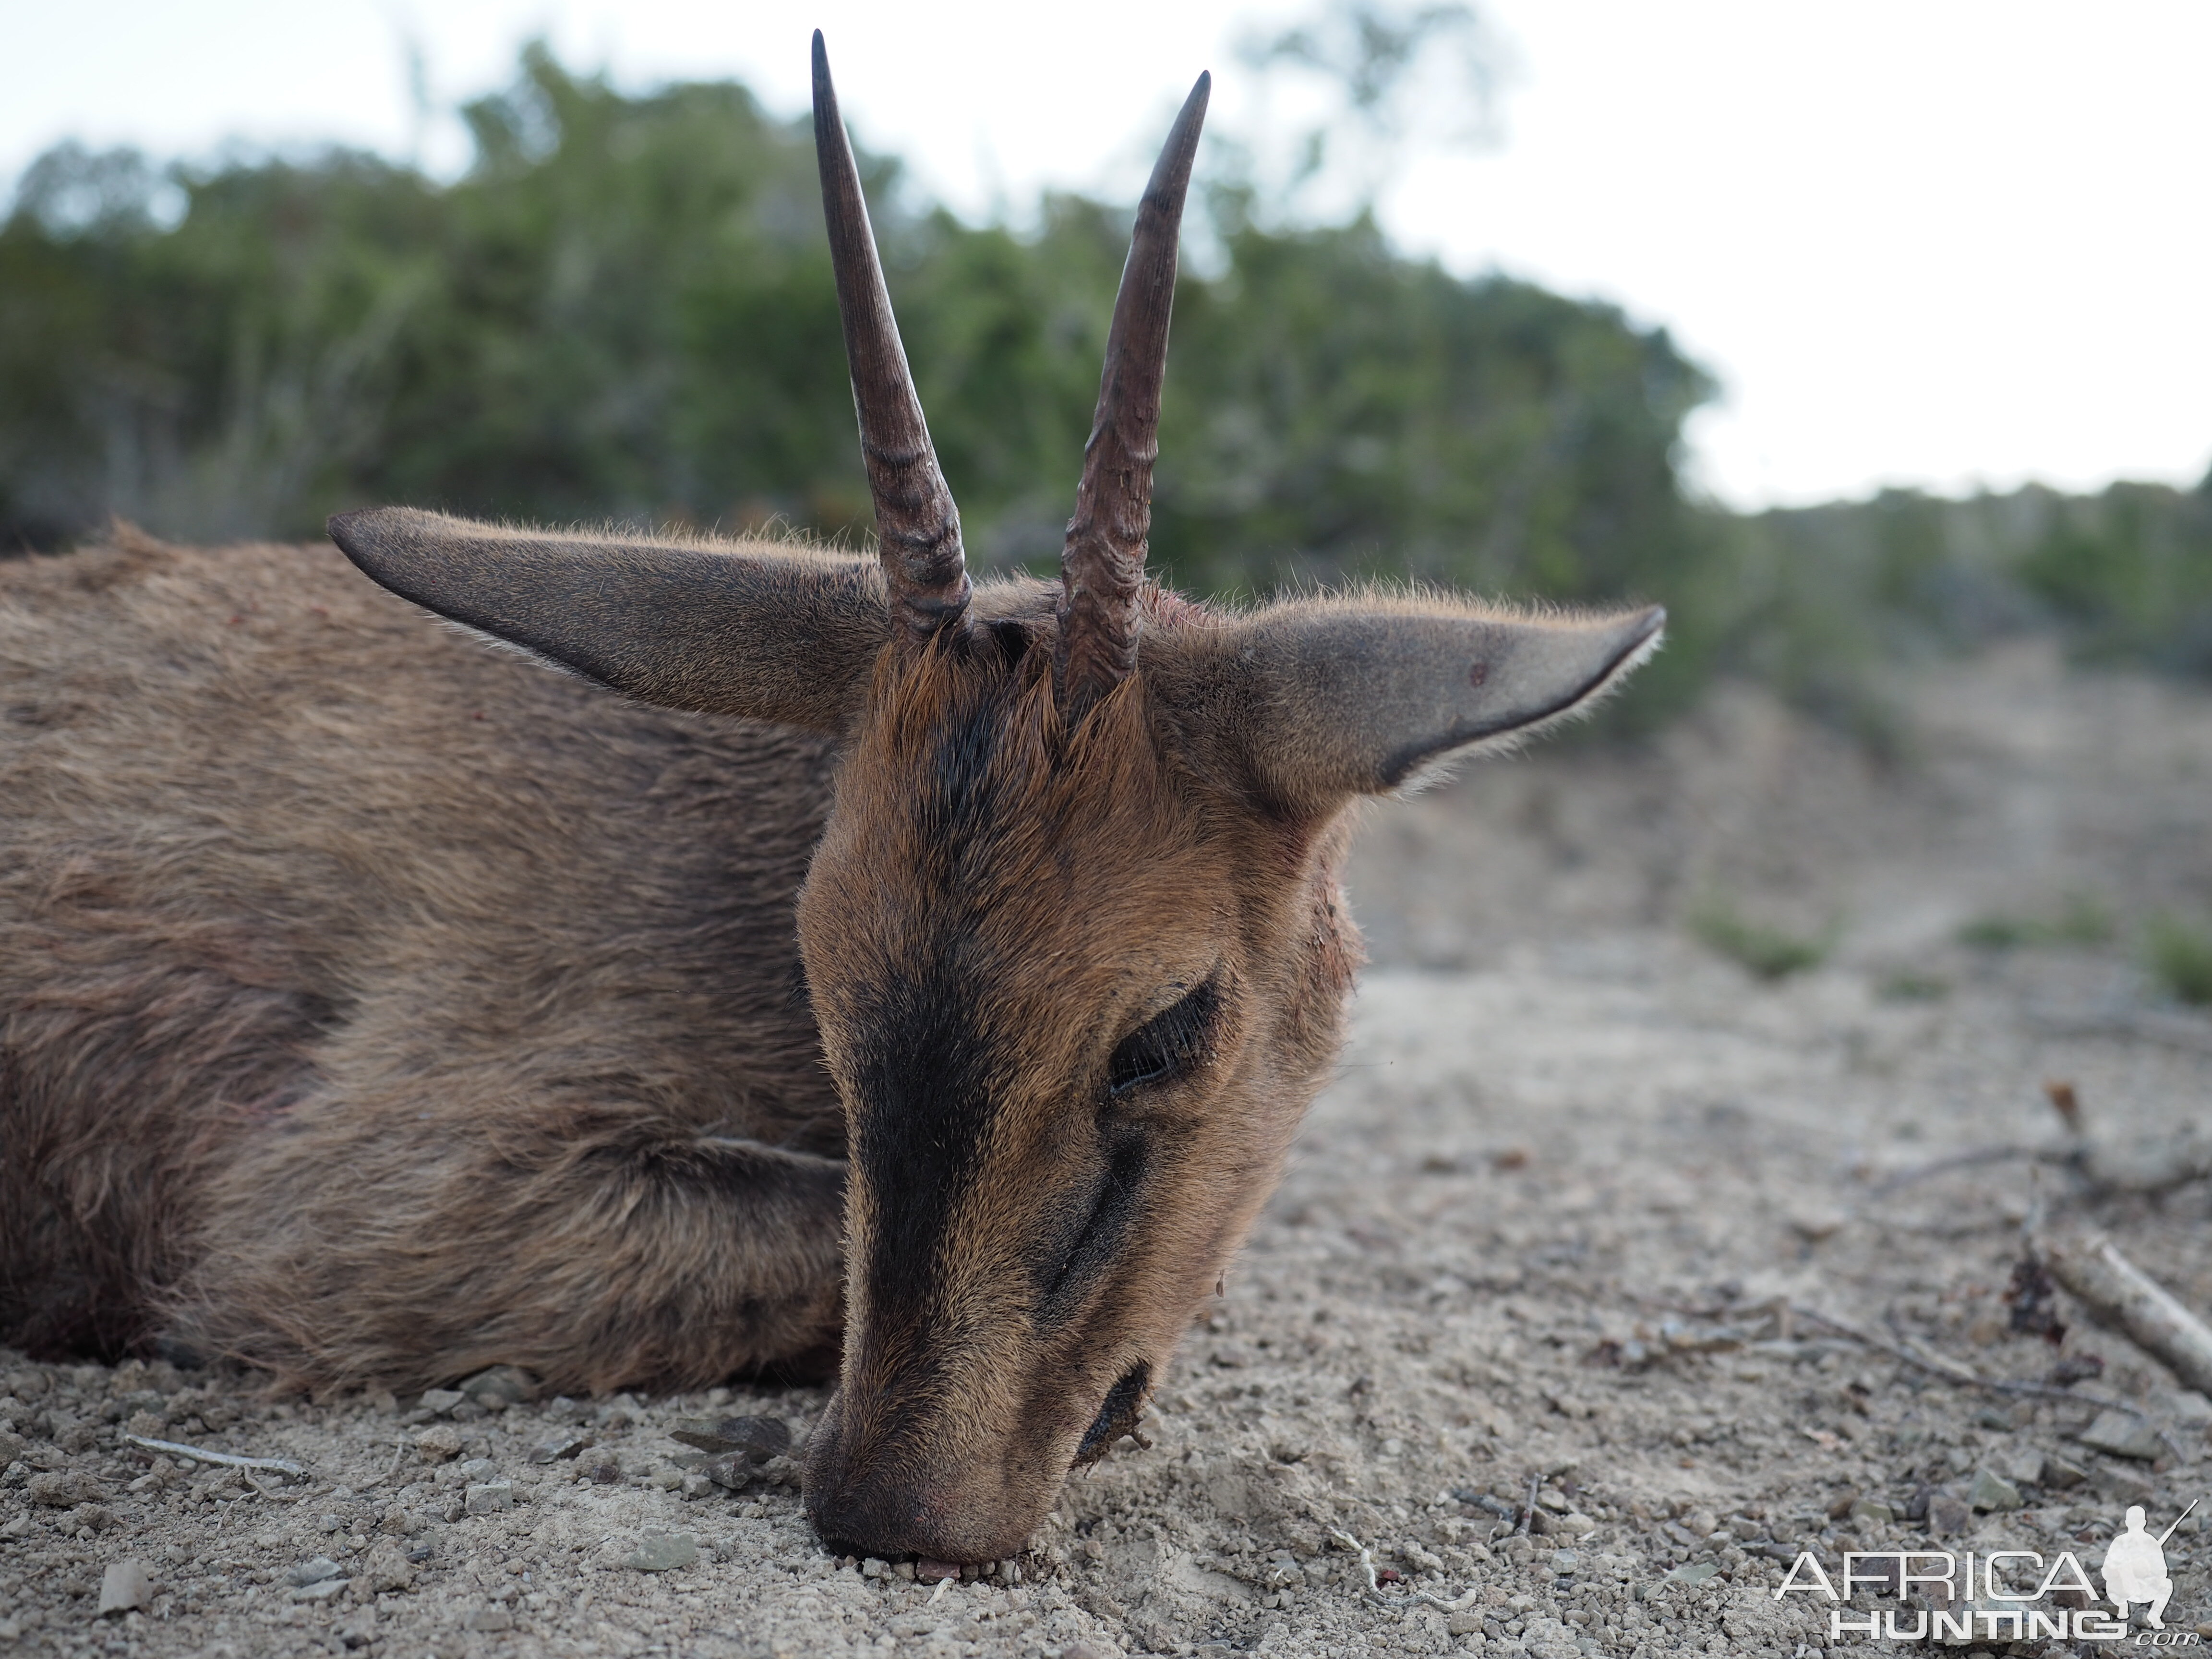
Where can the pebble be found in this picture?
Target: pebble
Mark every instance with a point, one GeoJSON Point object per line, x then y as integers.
{"type": "Point", "coordinates": [438, 1442]}
{"type": "Point", "coordinates": [1992, 1491]}
{"type": "Point", "coordinates": [318, 1571]}
{"type": "Point", "coordinates": [501, 1386]}
{"type": "Point", "coordinates": [491, 1498]}
{"type": "Point", "coordinates": [762, 1437]}
{"type": "Point", "coordinates": [2122, 1435]}
{"type": "Point", "coordinates": [556, 1447]}
{"type": "Point", "coordinates": [664, 1551]}
{"type": "Point", "coordinates": [1948, 1517]}
{"type": "Point", "coordinates": [321, 1592]}
{"type": "Point", "coordinates": [124, 1588]}
{"type": "Point", "coordinates": [933, 1570]}
{"type": "Point", "coordinates": [440, 1401]}
{"type": "Point", "coordinates": [487, 1619]}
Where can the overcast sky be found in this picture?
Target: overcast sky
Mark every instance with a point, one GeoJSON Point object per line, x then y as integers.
{"type": "Point", "coordinates": [1947, 243]}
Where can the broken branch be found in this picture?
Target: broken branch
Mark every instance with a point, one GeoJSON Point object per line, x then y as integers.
{"type": "Point", "coordinates": [1375, 1588]}
{"type": "Point", "coordinates": [2120, 1293]}
{"type": "Point", "coordinates": [227, 1460]}
{"type": "Point", "coordinates": [1950, 1370]}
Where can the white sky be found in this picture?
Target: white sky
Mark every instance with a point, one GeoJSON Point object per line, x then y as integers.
{"type": "Point", "coordinates": [1934, 242]}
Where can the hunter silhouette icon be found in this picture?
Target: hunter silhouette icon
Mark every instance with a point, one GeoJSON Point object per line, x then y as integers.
{"type": "Point", "coordinates": [2135, 1567]}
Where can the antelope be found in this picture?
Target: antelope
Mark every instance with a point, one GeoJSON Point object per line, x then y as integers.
{"type": "Point", "coordinates": [839, 968]}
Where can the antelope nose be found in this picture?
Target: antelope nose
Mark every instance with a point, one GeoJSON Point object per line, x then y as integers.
{"type": "Point", "coordinates": [878, 1517]}
{"type": "Point", "coordinates": [854, 1514]}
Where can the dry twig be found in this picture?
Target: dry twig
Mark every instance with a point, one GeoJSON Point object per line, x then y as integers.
{"type": "Point", "coordinates": [1952, 1370]}
{"type": "Point", "coordinates": [1373, 1588]}
{"type": "Point", "coordinates": [2120, 1293]}
{"type": "Point", "coordinates": [227, 1460]}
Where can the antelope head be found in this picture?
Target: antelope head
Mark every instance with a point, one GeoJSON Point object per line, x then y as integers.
{"type": "Point", "coordinates": [1073, 934]}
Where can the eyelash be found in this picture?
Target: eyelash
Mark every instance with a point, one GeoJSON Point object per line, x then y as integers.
{"type": "Point", "coordinates": [1170, 1042]}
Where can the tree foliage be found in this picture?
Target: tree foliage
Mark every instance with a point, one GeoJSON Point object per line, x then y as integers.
{"type": "Point", "coordinates": [624, 311]}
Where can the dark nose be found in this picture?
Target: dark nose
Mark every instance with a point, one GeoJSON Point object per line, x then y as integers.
{"type": "Point", "coordinates": [855, 1515]}
{"type": "Point", "coordinates": [871, 1505]}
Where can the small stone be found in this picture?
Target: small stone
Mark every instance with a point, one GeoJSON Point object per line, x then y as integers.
{"type": "Point", "coordinates": [1870, 1508]}
{"type": "Point", "coordinates": [1693, 1572]}
{"type": "Point", "coordinates": [2124, 1485]}
{"type": "Point", "coordinates": [734, 1470]}
{"type": "Point", "coordinates": [147, 1425]}
{"type": "Point", "coordinates": [1947, 1515]}
{"type": "Point", "coordinates": [1574, 1523]}
{"type": "Point", "coordinates": [1463, 1624]}
{"type": "Point", "coordinates": [486, 1620]}
{"type": "Point", "coordinates": [1993, 1492]}
{"type": "Point", "coordinates": [19, 1527]}
{"type": "Point", "coordinates": [697, 1487]}
{"type": "Point", "coordinates": [557, 1448]}
{"type": "Point", "coordinates": [663, 1551]}
{"type": "Point", "coordinates": [388, 1565]}
{"type": "Point", "coordinates": [666, 1479]}
{"type": "Point", "coordinates": [316, 1572]}
{"type": "Point", "coordinates": [1565, 1562]}
{"type": "Point", "coordinates": [2122, 1435]}
{"type": "Point", "coordinates": [492, 1498]}
{"type": "Point", "coordinates": [931, 1571]}
{"type": "Point", "coordinates": [322, 1592]}
{"type": "Point", "coordinates": [508, 1385]}
{"type": "Point", "coordinates": [762, 1437]}
{"type": "Point", "coordinates": [2023, 1467]}
{"type": "Point", "coordinates": [476, 1469]}
{"type": "Point", "coordinates": [2184, 1406]}
{"type": "Point", "coordinates": [439, 1442]}
{"type": "Point", "coordinates": [124, 1588]}
{"type": "Point", "coordinates": [2060, 1475]}
{"type": "Point", "coordinates": [440, 1402]}
{"type": "Point", "coordinates": [59, 1490]}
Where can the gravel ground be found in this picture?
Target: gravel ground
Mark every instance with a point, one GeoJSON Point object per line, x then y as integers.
{"type": "Point", "coordinates": [1563, 1226]}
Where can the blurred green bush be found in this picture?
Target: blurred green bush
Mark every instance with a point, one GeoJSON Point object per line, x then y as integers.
{"type": "Point", "coordinates": [624, 310]}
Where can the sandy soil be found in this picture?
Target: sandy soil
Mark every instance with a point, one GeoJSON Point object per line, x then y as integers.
{"type": "Point", "coordinates": [1550, 1227]}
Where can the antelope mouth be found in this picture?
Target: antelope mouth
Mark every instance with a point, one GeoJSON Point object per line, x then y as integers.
{"type": "Point", "coordinates": [1120, 1413]}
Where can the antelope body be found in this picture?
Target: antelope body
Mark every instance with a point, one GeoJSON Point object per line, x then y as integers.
{"type": "Point", "coordinates": [912, 979]}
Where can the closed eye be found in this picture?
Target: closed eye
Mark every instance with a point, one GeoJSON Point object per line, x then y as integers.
{"type": "Point", "coordinates": [1170, 1043]}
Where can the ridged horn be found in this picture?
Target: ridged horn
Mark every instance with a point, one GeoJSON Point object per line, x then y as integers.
{"type": "Point", "coordinates": [1102, 565]}
{"type": "Point", "coordinates": [916, 522]}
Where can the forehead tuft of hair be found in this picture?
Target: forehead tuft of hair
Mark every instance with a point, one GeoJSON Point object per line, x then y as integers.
{"type": "Point", "coordinates": [973, 725]}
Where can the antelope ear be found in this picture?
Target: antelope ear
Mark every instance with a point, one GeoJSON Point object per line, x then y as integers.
{"type": "Point", "coordinates": [777, 634]}
{"type": "Point", "coordinates": [1369, 696]}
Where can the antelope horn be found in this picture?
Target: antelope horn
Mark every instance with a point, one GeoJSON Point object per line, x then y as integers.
{"type": "Point", "coordinates": [1102, 565]}
{"type": "Point", "coordinates": [917, 526]}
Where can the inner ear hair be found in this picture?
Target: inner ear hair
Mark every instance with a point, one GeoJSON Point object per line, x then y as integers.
{"type": "Point", "coordinates": [785, 634]}
{"type": "Point", "coordinates": [1381, 694]}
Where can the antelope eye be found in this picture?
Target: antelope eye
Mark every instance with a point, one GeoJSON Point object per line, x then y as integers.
{"type": "Point", "coordinates": [1168, 1043]}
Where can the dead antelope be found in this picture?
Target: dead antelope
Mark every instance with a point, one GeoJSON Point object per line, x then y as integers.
{"type": "Point", "coordinates": [928, 973]}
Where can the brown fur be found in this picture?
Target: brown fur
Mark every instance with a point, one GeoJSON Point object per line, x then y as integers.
{"type": "Point", "coordinates": [375, 1007]}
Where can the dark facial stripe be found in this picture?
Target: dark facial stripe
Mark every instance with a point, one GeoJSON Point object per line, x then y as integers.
{"type": "Point", "coordinates": [925, 1106]}
{"type": "Point", "coordinates": [924, 1112]}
